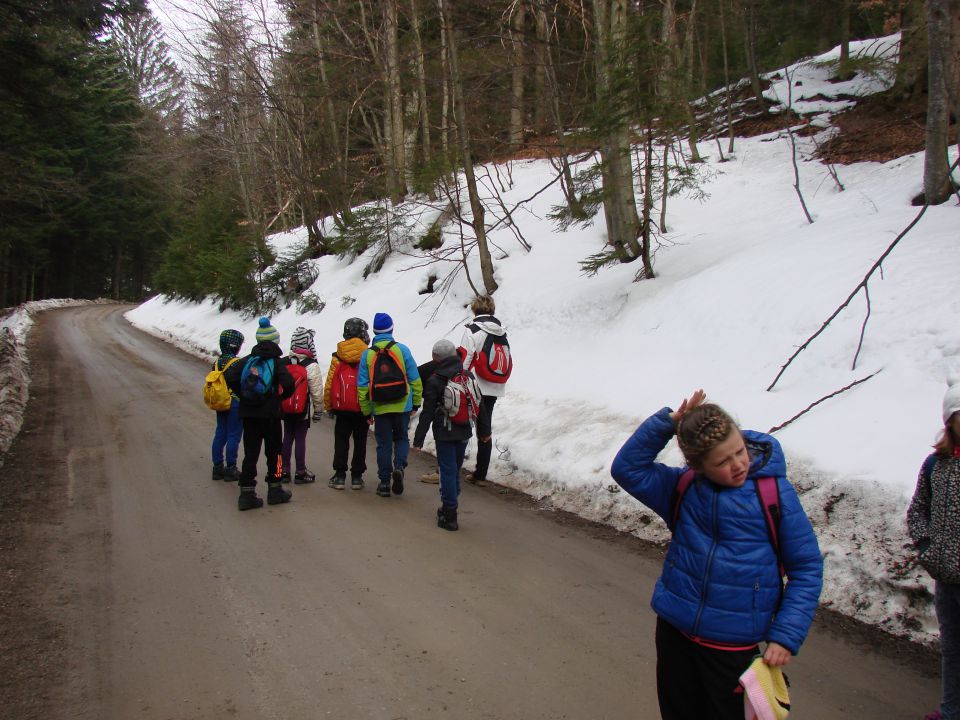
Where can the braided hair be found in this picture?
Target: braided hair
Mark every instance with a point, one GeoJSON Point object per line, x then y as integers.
{"type": "Point", "coordinates": [701, 429]}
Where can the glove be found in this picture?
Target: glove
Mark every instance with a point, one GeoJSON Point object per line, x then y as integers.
{"type": "Point", "coordinates": [317, 416]}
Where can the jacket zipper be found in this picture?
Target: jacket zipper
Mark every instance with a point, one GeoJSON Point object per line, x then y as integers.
{"type": "Point", "coordinates": [706, 574]}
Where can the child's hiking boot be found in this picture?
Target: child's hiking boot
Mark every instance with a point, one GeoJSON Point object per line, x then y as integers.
{"type": "Point", "coordinates": [478, 481]}
{"type": "Point", "coordinates": [356, 482]}
{"type": "Point", "coordinates": [430, 478]}
{"type": "Point", "coordinates": [383, 488]}
{"type": "Point", "coordinates": [278, 495]}
{"type": "Point", "coordinates": [217, 472]}
{"type": "Point", "coordinates": [337, 481]}
{"type": "Point", "coordinates": [284, 477]}
{"type": "Point", "coordinates": [304, 477]}
{"type": "Point", "coordinates": [231, 473]}
{"type": "Point", "coordinates": [248, 499]}
{"type": "Point", "coordinates": [397, 481]}
{"type": "Point", "coordinates": [447, 517]}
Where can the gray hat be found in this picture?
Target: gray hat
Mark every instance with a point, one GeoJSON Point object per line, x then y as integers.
{"type": "Point", "coordinates": [443, 349]}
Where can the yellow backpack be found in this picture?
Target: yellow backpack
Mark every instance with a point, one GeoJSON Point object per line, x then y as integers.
{"type": "Point", "coordinates": [216, 394]}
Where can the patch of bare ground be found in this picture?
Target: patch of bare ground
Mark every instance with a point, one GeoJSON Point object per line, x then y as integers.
{"type": "Point", "coordinates": [877, 129]}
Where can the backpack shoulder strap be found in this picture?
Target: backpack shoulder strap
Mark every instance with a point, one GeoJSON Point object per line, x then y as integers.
{"type": "Point", "coordinates": [928, 466]}
{"type": "Point", "coordinates": [768, 493]}
{"type": "Point", "coordinates": [683, 484]}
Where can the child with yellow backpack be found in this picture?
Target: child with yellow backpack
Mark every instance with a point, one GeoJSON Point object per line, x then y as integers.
{"type": "Point", "coordinates": [229, 432]}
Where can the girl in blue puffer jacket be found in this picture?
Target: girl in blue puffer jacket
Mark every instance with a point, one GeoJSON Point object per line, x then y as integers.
{"type": "Point", "coordinates": [720, 593]}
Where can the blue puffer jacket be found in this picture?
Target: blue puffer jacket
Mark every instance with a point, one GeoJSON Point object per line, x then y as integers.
{"type": "Point", "coordinates": [720, 579]}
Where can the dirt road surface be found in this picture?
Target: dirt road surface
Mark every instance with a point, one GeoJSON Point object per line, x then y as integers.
{"type": "Point", "coordinates": [132, 587]}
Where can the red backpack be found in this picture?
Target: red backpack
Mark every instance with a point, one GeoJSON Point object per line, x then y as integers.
{"type": "Point", "coordinates": [296, 402]}
{"type": "Point", "coordinates": [461, 400]}
{"type": "Point", "coordinates": [494, 362]}
{"type": "Point", "coordinates": [343, 387]}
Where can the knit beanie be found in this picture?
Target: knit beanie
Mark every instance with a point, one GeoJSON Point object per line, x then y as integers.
{"type": "Point", "coordinates": [303, 340]}
{"type": "Point", "coordinates": [382, 323]}
{"type": "Point", "coordinates": [356, 328]}
{"type": "Point", "coordinates": [765, 694]}
{"type": "Point", "coordinates": [951, 401]}
{"type": "Point", "coordinates": [442, 349]}
{"type": "Point", "coordinates": [267, 332]}
{"type": "Point", "coordinates": [230, 342]}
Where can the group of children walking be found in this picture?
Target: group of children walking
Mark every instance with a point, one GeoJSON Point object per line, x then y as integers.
{"type": "Point", "coordinates": [271, 400]}
{"type": "Point", "coordinates": [743, 568]}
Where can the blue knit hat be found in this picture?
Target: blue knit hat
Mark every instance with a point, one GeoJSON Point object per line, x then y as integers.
{"type": "Point", "coordinates": [382, 323]}
{"type": "Point", "coordinates": [267, 332]}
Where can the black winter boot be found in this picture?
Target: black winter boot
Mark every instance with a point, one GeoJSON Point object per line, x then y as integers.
{"type": "Point", "coordinates": [248, 499]}
{"type": "Point", "coordinates": [447, 517]}
{"type": "Point", "coordinates": [397, 481]}
{"type": "Point", "coordinates": [218, 472]}
{"type": "Point", "coordinates": [277, 495]}
{"type": "Point", "coordinates": [231, 473]}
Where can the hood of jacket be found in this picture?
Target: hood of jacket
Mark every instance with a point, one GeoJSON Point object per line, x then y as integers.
{"type": "Point", "coordinates": [766, 455]}
{"type": "Point", "coordinates": [448, 367]}
{"type": "Point", "coordinates": [489, 324]}
{"type": "Point", "coordinates": [351, 350]}
{"type": "Point", "coordinates": [267, 349]}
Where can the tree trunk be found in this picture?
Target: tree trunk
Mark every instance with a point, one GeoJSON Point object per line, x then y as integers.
{"type": "Point", "coordinates": [394, 103]}
{"type": "Point", "coordinates": [619, 201]}
{"type": "Point", "coordinates": [726, 77]}
{"type": "Point", "coordinates": [937, 185]}
{"type": "Point", "coordinates": [519, 71]}
{"type": "Point", "coordinates": [540, 74]}
{"type": "Point", "coordinates": [911, 80]}
{"type": "Point", "coordinates": [750, 50]}
{"type": "Point", "coordinates": [445, 85]}
{"type": "Point", "coordinates": [693, 134]}
{"type": "Point", "coordinates": [844, 40]}
{"type": "Point", "coordinates": [476, 207]}
{"type": "Point", "coordinates": [423, 106]}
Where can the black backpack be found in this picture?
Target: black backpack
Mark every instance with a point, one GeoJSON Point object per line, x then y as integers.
{"type": "Point", "coordinates": [388, 378]}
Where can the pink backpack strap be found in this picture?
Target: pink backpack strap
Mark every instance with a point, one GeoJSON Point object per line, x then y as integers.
{"type": "Point", "coordinates": [768, 493]}
{"type": "Point", "coordinates": [683, 484]}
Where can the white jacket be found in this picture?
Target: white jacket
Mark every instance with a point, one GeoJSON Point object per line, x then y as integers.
{"type": "Point", "coordinates": [472, 342]}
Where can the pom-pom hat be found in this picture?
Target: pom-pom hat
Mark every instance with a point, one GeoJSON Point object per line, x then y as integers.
{"type": "Point", "coordinates": [267, 332]}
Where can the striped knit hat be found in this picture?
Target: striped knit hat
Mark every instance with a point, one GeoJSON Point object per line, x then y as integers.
{"type": "Point", "coordinates": [267, 332]}
{"type": "Point", "coordinates": [230, 342]}
{"type": "Point", "coordinates": [302, 340]}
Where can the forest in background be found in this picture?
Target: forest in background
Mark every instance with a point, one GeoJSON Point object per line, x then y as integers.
{"type": "Point", "coordinates": [124, 174]}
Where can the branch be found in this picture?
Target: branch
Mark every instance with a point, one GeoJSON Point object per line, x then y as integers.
{"type": "Point", "coordinates": [793, 147]}
{"type": "Point", "coordinates": [861, 284]}
{"type": "Point", "coordinates": [810, 407]}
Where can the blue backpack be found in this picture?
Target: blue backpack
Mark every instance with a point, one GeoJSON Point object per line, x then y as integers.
{"type": "Point", "coordinates": [256, 380]}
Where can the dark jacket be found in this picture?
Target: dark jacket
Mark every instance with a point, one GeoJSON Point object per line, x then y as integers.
{"type": "Point", "coordinates": [720, 579]}
{"type": "Point", "coordinates": [933, 519]}
{"type": "Point", "coordinates": [282, 382]}
{"type": "Point", "coordinates": [432, 412]}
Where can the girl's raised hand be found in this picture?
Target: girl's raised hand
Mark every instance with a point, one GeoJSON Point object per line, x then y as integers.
{"type": "Point", "coordinates": [688, 404]}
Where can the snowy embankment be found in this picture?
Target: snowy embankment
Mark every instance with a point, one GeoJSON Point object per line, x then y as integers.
{"type": "Point", "coordinates": [14, 365]}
